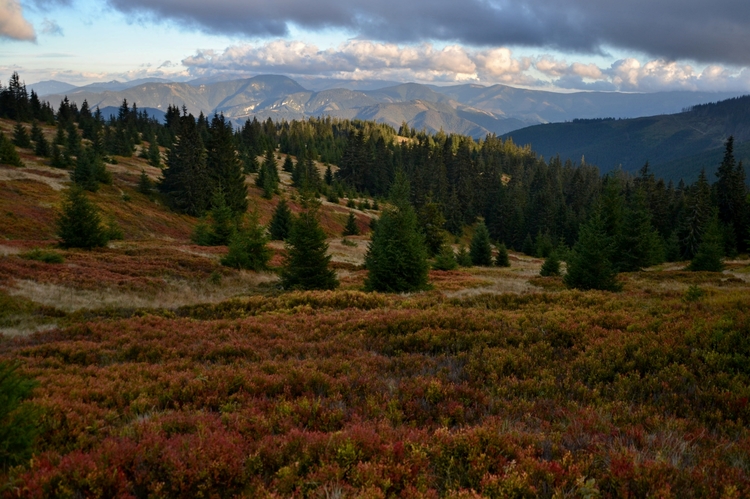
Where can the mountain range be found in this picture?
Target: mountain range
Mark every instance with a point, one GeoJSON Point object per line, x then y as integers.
{"type": "Point", "coordinates": [469, 109]}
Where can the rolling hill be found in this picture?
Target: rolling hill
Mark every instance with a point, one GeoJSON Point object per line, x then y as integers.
{"type": "Point", "coordinates": [675, 145]}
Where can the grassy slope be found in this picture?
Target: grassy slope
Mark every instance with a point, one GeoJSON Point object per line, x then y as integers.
{"type": "Point", "coordinates": [164, 374]}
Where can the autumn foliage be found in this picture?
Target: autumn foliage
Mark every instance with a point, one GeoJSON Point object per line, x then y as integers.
{"type": "Point", "coordinates": [549, 394]}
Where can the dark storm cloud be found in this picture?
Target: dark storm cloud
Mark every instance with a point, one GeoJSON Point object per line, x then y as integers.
{"type": "Point", "coordinates": [715, 31]}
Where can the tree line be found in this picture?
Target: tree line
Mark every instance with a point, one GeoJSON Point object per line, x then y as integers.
{"type": "Point", "coordinates": [525, 202]}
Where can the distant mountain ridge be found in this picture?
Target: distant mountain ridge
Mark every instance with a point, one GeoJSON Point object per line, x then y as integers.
{"type": "Point", "coordinates": [676, 146]}
{"type": "Point", "coordinates": [470, 109]}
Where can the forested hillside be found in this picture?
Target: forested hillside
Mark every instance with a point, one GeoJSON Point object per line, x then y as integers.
{"type": "Point", "coordinates": [677, 146]}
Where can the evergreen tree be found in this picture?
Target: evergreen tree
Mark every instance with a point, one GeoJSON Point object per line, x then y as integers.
{"type": "Point", "coordinates": [224, 165]}
{"type": "Point", "coordinates": [154, 156]}
{"type": "Point", "coordinates": [731, 194]}
{"type": "Point", "coordinates": [57, 160]}
{"type": "Point", "coordinates": [186, 182]}
{"type": "Point", "coordinates": [328, 177]}
{"type": "Point", "coordinates": [431, 222]}
{"type": "Point", "coordinates": [543, 245]}
{"type": "Point", "coordinates": [41, 146]}
{"type": "Point", "coordinates": [80, 225]}
{"type": "Point", "coordinates": [502, 259]}
{"type": "Point", "coordinates": [36, 131]}
{"type": "Point", "coordinates": [638, 243]}
{"type": "Point", "coordinates": [145, 186]}
{"type": "Point", "coordinates": [445, 259]}
{"type": "Point", "coordinates": [307, 262]}
{"type": "Point", "coordinates": [589, 266]}
{"type": "Point", "coordinates": [551, 266]}
{"type": "Point", "coordinates": [463, 258]}
{"type": "Point", "coordinates": [18, 420]}
{"type": "Point", "coordinates": [248, 247]}
{"type": "Point", "coordinates": [697, 217]}
{"type": "Point", "coordinates": [60, 136]}
{"type": "Point", "coordinates": [481, 249]}
{"type": "Point", "coordinates": [73, 143]}
{"type": "Point", "coordinates": [223, 225]}
{"type": "Point", "coordinates": [396, 257]}
{"type": "Point", "coordinates": [351, 228]}
{"type": "Point", "coordinates": [711, 249]}
{"type": "Point", "coordinates": [672, 248]}
{"type": "Point", "coordinates": [288, 165]}
{"type": "Point", "coordinates": [528, 246]}
{"type": "Point", "coordinates": [268, 176]}
{"type": "Point", "coordinates": [281, 222]}
{"type": "Point", "coordinates": [84, 173]}
{"type": "Point", "coordinates": [21, 136]}
{"type": "Point", "coordinates": [8, 153]}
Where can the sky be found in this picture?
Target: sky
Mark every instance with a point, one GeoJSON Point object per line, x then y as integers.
{"type": "Point", "coordinates": [559, 45]}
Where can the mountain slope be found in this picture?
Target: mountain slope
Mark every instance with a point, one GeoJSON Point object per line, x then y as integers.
{"type": "Point", "coordinates": [676, 145]}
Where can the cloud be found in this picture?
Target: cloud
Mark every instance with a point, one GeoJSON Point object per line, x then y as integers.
{"type": "Point", "coordinates": [50, 27]}
{"type": "Point", "coordinates": [364, 59]}
{"type": "Point", "coordinates": [12, 23]}
{"type": "Point", "coordinates": [671, 29]}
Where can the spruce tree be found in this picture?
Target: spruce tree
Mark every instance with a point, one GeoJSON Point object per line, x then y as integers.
{"type": "Point", "coordinates": [431, 222]}
{"type": "Point", "coordinates": [154, 156]}
{"type": "Point", "coordinates": [351, 228]}
{"type": "Point", "coordinates": [8, 153]}
{"type": "Point", "coordinates": [79, 225]}
{"type": "Point", "coordinates": [21, 136]}
{"type": "Point", "coordinates": [481, 249]}
{"type": "Point", "coordinates": [697, 215]}
{"type": "Point", "coordinates": [730, 192]}
{"type": "Point", "coordinates": [84, 173]}
{"type": "Point", "coordinates": [248, 248]}
{"type": "Point", "coordinates": [502, 260]}
{"type": "Point", "coordinates": [36, 131]}
{"type": "Point", "coordinates": [186, 182]}
{"type": "Point", "coordinates": [73, 143]}
{"type": "Point", "coordinates": [672, 248]}
{"type": "Point", "coordinates": [57, 160]}
{"type": "Point", "coordinates": [288, 165]}
{"type": "Point", "coordinates": [41, 145]}
{"type": "Point", "coordinates": [224, 166]}
{"type": "Point", "coordinates": [307, 261]}
{"type": "Point", "coordinates": [711, 249]}
{"type": "Point", "coordinates": [145, 186]}
{"type": "Point", "coordinates": [223, 224]}
{"type": "Point", "coordinates": [638, 243]}
{"type": "Point", "coordinates": [589, 266]}
{"type": "Point", "coordinates": [445, 259]}
{"type": "Point", "coordinates": [328, 177]}
{"type": "Point", "coordinates": [528, 246]}
{"type": "Point", "coordinates": [463, 258]}
{"type": "Point", "coordinates": [60, 137]}
{"type": "Point", "coordinates": [396, 257]}
{"type": "Point", "coordinates": [281, 222]}
{"type": "Point", "coordinates": [551, 266]}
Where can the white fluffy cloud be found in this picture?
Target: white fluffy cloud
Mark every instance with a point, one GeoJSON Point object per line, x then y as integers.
{"type": "Point", "coordinates": [12, 23]}
{"type": "Point", "coordinates": [362, 59]}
